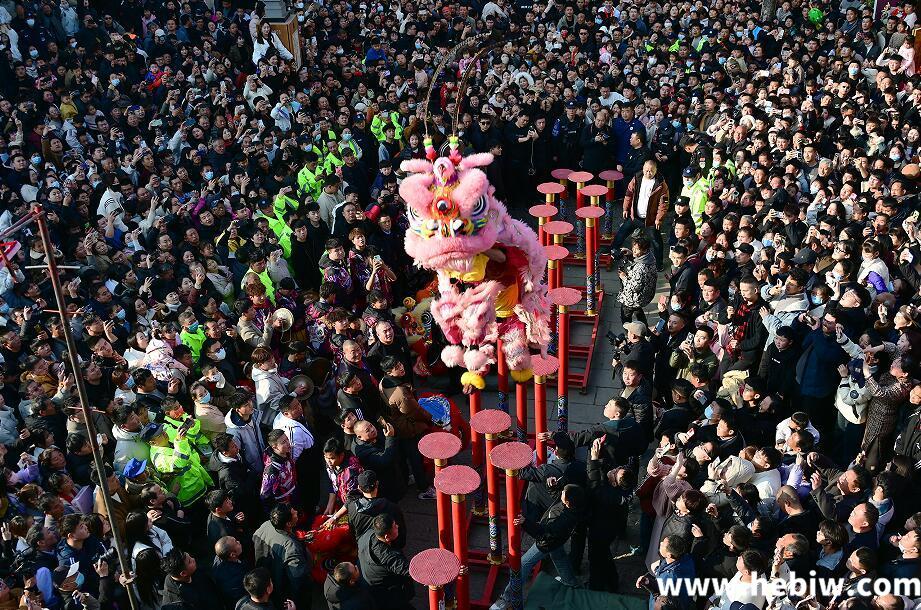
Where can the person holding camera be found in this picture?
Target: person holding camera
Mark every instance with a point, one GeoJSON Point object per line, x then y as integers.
{"type": "Point", "coordinates": [638, 277]}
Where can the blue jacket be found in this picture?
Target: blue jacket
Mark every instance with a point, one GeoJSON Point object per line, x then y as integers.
{"type": "Point", "coordinates": [816, 370]}
{"type": "Point", "coordinates": [682, 569]}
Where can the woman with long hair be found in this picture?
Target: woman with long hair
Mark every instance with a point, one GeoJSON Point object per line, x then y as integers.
{"type": "Point", "coordinates": [148, 579]}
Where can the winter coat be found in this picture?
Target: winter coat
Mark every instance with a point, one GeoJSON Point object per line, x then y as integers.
{"type": "Point", "coordinates": [248, 436]}
{"type": "Point", "coordinates": [784, 310]}
{"type": "Point", "coordinates": [386, 570]}
{"type": "Point", "coordinates": [408, 418]}
{"type": "Point", "coordinates": [9, 433]}
{"type": "Point", "coordinates": [657, 207]}
{"type": "Point", "coordinates": [286, 558]}
{"type": "Point", "coordinates": [639, 286]}
{"type": "Point", "coordinates": [128, 445]}
{"type": "Point", "coordinates": [279, 480]}
{"type": "Point", "coordinates": [270, 388]}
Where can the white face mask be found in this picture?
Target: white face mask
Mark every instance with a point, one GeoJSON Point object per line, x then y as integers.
{"type": "Point", "coordinates": [220, 354]}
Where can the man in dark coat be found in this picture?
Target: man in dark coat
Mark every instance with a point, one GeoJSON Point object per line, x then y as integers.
{"type": "Point", "coordinates": [384, 568]}
{"type": "Point", "coordinates": [381, 454]}
{"type": "Point", "coordinates": [344, 589]}
{"type": "Point", "coordinates": [363, 508]}
{"type": "Point", "coordinates": [285, 556]}
{"type": "Point", "coordinates": [228, 570]}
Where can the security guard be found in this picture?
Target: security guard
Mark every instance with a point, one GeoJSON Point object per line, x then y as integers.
{"type": "Point", "coordinates": [696, 191]}
{"type": "Point", "coordinates": [175, 418]}
{"type": "Point", "coordinates": [176, 465]}
{"type": "Point", "coordinates": [566, 132]}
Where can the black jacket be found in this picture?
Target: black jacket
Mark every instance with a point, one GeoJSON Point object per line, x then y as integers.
{"type": "Point", "coordinates": [228, 577]}
{"type": "Point", "coordinates": [382, 457]}
{"type": "Point", "coordinates": [386, 571]}
{"type": "Point", "coordinates": [555, 527]}
{"type": "Point", "coordinates": [608, 505]}
{"type": "Point", "coordinates": [624, 441]}
{"type": "Point", "coordinates": [539, 496]}
{"type": "Point", "coordinates": [198, 593]}
{"type": "Point", "coordinates": [362, 511]}
{"type": "Point", "coordinates": [344, 597]}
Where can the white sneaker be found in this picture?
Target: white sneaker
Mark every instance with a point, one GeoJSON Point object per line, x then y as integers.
{"type": "Point", "coordinates": [428, 494]}
{"type": "Point", "coordinates": [499, 604]}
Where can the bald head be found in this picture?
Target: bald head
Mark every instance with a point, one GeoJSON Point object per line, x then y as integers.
{"type": "Point", "coordinates": [228, 548]}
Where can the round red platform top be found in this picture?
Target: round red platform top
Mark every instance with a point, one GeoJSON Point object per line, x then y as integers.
{"type": "Point", "coordinates": [611, 174]}
{"type": "Point", "coordinates": [556, 253]}
{"type": "Point", "coordinates": [589, 211]}
{"type": "Point", "coordinates": [567, 297]}
{"type": "Point", "coordinates": [434, 567]}
{"type": "Point", "coordinates": [558, 227]}
{"type": "Point", "coordinates": [551, 188]}
{"type": "Point", "coordinates": [457, 480]}
{"type": "Point", "coordinates": [491, 421]}
{"type": "Point", "coordinates": [511, 456]}
{"type": "Point", "coordinates": [561, 173]}
{"type": "Point", "coordinates": [439, 445]}
{"type": "Point", "coordinates": [542, 211]}
{"type": "Point", "coordinates": [594, 190]}
{"type": "Point", "coordinates": [580, 177]}
{"type": "Point", "coordinates": [545, 365]}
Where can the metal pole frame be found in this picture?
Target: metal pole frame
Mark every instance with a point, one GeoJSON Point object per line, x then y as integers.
{"type": "Point", "coordinates": [38, 214]}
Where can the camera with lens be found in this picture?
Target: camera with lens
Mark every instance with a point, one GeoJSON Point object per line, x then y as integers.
{"type": "Point", "coordinates": [619, 343]}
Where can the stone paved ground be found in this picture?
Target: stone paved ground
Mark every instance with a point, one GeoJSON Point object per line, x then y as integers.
{"type": "Point", "coordinates": [583, 411]}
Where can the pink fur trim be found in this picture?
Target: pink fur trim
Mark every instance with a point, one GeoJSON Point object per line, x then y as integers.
{"type": "Point", "coordinates": [477, 160]}
{"type": "Point", "coordinates": [453, 355]}
{"type": "Point", "coordinates": [416, 166]}
{"type": "Point", "coordinates": [478, 361]}
{"type": "Point", "coordinates": [515, 346]}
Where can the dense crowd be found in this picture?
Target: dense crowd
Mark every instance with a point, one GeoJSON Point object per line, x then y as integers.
{"type": "Point", "coordinates": [253, 338]}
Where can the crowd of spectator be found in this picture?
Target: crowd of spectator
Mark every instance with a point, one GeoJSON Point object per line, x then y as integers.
{"type": "Point", "coordinates": [225, 212]}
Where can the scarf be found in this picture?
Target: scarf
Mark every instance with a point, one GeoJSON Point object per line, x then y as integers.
{"type": "Point", "coordinates": [738, 332]}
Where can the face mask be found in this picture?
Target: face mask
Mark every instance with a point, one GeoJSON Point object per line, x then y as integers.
{"type": "Point", "coordinates": [174, 307]}
{"type": "Point", "coordinates": [688, 182]}
{"type": "Point", "coordinates": [346, 137]}
{"type": "Point", "coordinates": [676, 306]}
{"type": "Point", "coordinates": [121, 314]}
{"type": "Point", "coordinates": [205, 399]}
{"type": "Point", "coordinates": [193, 328]}
{"type": "Point", "coordinates": [710, 255]}
{"type": "Point", "coordinates": [816, 300]}
{"type": "Point", "coordinates": [418, 45]}
{"type": "Point", "coordinates": [80, 579]}
{"type": "Point", "coordinates": [36, 159]}
{"type": "Point", "coordinates": [220, 354]}
{"type": "Point", "coordinates": [33, 54]}
{"type": "Point", "coordinates": [767, 243]}
{"type": "Point", "coordinates": [116, 82]}
{"type": "Point", "coordinates": [676, 124]}
{"type": "Point", "coordinates": [599, 20]}
{"type": "Point", "coordinates": [301, 18]}
{"type": "Point", "coordinates": [837, 276]}
{"type": "Point", "coordinates": [895, 157]}
{"type": "Point", "coordinates": [73, 45]}
{"type": "Point", "coordinates": [740, 34]}
{"type": "Point", "coordinates": [708, 412]}
{"type": "Point", "coordinates": [721, 60]}
{"type": "Point", "coordinates": [30, 22]}
{"type": "Point", "coordinates": [852, 71]}
{"type": "Point", "coordinates": [209, 175]}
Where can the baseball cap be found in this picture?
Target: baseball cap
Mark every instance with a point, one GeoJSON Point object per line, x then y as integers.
{"type": "Point", "coordinates": [745, 249]}
{"type": "Point", "coordinates": [806, 256]}
{"type": "Point", "coordinates": [62, 573]}
{"type": "Point", "coordinates": [151, 431]}
{"type": "Point", "coordinates": [367, 480]}
{"type": "Point", "coordinates": [159, 33]}
{"type": "Point", "coordinates": [636, 328]}
{"type": "Point", "coordinates": [359, 117]}
{"type": "Point", "coordinates": [689, 172]}
{"type": "Point", "coordinates": [570, 104]}
{"type": "Point", "coordinates": [134, 467]}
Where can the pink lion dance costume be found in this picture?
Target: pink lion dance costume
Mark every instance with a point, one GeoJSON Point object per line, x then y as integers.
{"type": "Point", "coordinates": [490, 266]}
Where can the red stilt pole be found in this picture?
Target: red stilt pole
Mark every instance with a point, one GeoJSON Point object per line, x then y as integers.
{"type": "Point", "coordinates": [512, 457]}
{"type": "Point", "coordinates": [580, 179]}
{"type": "Point", "coordinates": [558, 229]}
{"type": "Point", "coordinates": [502, 372]}
{"type": "Point", "coordinates": [563, 298]}
{"type": "Point", "coordinates": [476, 450]}
{"type": "Point", "coordinates": [543, 367]}
{"type": "Point", "coordinates": [491, 423]}
{"type": "Point", "coordinates": [521, 403]}
{"type": "Point", "coordinates": [610, 178]}
{"type": "Point", "coordinates": [434, 568]}
{"type": "Point", "coordinates": [440, 447]}
{"type": "Point", "coordinates": [458, 482]}
{"type": "Point", "coordinates": [590, 214]}
{"type": "Point", "coordinates": [555, 255]}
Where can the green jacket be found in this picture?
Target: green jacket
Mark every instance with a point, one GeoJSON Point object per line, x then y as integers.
{"type": "Point", "coordinates": [195, 437]}
{"type": "Point", "coordinates": [309, 183]}
{"type": "Point", "coordinates": [697, 194]}
{"type": "Point", "coordinates": [378, 122]}
{"type": "Point", "coordinates": [264, 276]}
{"type": "Point", "coordinates": [193, 341]}
{"type": "Point", "coordinates": [281, 229]}
{"type": "Point", "coordinates": [681, 363]}
{"type": "Point", "coordinates": [179, 469]}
